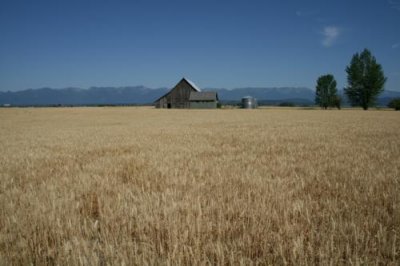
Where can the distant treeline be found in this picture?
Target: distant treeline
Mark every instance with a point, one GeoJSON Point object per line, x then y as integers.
{"type": "Point", "coordinates": [287, 103]}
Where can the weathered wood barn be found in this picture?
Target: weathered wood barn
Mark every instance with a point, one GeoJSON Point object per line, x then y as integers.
{"type": "Point", "coordinates": [186, 94]}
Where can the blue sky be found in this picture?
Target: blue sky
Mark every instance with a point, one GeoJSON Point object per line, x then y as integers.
{"type": "Point", "coordinates": [224, 44]}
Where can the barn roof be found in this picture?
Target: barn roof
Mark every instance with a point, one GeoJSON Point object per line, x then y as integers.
{"type": "Point", "coordinates": [191, 83]}
{"type": "Point", "coordinates": [203, 96]}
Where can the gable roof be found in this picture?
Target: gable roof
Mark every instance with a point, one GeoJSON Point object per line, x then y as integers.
{"type": "Point", "coordinates": [191, 84]}
{"type": "Point", "coordinates": [203, 96]}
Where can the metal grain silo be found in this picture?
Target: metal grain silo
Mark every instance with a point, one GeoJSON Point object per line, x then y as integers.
{"type": "Point", "coordinates": [249, 102]}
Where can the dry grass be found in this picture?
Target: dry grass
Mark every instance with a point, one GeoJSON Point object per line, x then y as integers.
{"type": "Point", "coordinates": [146, 186]}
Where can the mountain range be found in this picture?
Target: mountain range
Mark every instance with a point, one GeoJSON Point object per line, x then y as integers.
{"type": "Point", "coordinates": [139, 95]}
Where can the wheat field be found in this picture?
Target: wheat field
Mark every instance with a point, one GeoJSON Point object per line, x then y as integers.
{"type": "Point", "coordinates": [141, 186]}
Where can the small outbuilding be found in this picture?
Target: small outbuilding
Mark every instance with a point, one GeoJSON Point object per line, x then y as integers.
{"type": "Point", "coordinates": [249, 102]}
{"type": "Point", "coordinates": [186, 94]}
{"type": "Point", "coordinates": [203, 100]}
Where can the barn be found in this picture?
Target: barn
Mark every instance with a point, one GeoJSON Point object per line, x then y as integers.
{"type": "Point", "coordinates": [186, 94]}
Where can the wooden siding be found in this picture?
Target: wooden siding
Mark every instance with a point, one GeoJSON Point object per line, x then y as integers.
{"type": "Point", "coordinates": [178, 97]}
{"type": "Point", "coordinates": [203, 105]}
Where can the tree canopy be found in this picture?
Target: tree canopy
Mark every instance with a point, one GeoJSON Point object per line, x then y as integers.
{"type": "Point", "coordinates": [365, 79]}
{"type": "Point", "coordinates": [395, 104]}
{"type": "Point", "coordinates": [326, 92]}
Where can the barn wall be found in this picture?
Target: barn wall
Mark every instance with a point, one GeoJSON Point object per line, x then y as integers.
{"type": "Point", "coordinates": [179, 96]}
{"type": "Point", "coordinates": [161, 103]}
{"type": "Point", "coordinates": [203, 105]}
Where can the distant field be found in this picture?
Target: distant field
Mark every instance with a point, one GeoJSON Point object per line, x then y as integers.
{"type": "Point", "coordinates": [147, 186]}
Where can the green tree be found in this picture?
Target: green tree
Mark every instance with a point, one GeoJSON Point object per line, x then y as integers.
{"type": "Point", "coordinates": [326, 92]}
{"type": "Point", "coordinates": [395, 104]}
{"type": "Point", "coordinates": [337, 102]}
{"type": "Point", "coordinates": [365, 80]}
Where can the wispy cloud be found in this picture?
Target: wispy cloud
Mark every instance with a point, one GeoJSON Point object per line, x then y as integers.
{"type": "Point", "coordinates": [306, 12]}
{"type": "Point", "coordinates": [395, 45]}
{"type": "Point", "coordinates": [330, 35]}
{"type": "Point", "coordinates": [395, 4]}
